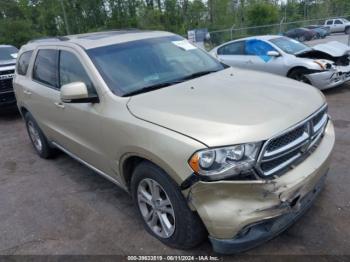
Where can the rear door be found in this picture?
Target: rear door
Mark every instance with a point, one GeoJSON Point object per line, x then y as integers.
{"type": "Point", "coordinates": [41, 91]}
{"type": "Point", "coordinates": [233, 54]}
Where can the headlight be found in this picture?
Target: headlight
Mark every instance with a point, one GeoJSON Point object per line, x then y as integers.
{"type": "Point", "coordinates": [222, 162]}
{"type": "Point", "coordinates": [324, 64]}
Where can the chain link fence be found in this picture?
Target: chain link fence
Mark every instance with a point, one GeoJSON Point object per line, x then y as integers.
{"type": "Point", "coordinates": [221, 36]}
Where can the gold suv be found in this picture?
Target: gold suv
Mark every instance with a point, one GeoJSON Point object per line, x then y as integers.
{"type": "Point", "coordinates": [204, 149]}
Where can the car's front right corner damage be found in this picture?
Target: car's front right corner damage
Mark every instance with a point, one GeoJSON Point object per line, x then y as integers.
{"type": "Point", "coordinates": [242, 214]}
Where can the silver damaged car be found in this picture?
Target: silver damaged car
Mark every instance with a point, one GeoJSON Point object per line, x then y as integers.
{"type": "Point", "coordinates": [323, 66]}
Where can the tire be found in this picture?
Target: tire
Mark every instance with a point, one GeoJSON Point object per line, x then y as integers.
{"type": "Point", "coordinates": [38, 139]}
{"type": "Point", "coordinates": [347, 30]}
{"type": "Point", "coordinates": [299, 75]}
{"type": "Point", "coordinates": [185, 229]}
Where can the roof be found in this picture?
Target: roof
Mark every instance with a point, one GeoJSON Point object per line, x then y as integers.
{"type": "Point", "coordinates": [260, 37]}
{"type": "Point", "coordinates": [3, 46]}
{"type": "Point", "coordinates": [98, 39]}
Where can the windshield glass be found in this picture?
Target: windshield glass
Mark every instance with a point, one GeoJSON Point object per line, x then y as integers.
{"type": "Point", "coordinates": [139, 65]}
{"type": "Point", "coordinates": [8, 53]}
{"type": "Point", "coordinates": [290, 46]}
{"type": "Point", "coordinates": [345, 20]}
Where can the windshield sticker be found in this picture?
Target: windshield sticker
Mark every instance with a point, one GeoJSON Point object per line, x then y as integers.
{"type": "Point", "coordinates": [14, 55]}
{"type": "Point", "coordinates": [184, 44]}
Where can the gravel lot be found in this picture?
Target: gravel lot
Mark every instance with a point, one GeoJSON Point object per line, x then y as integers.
{"type": "Point", "coordinates": [60, 207]}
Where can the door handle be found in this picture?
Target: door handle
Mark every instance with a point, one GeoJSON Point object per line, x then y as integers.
{"type": "Point", "coordinates": [59, 105]}
{"type": "Point", "coordinates": [249, 62]}
{"type": "Point", "coordinates": [27, 92]}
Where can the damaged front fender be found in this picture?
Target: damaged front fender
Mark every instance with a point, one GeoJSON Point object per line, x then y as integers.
{"type": "Point", "coordinates": [227, 207]}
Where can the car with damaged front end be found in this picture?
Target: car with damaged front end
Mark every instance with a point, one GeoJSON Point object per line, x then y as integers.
{"type": "Point", "coordinates": [323, 66]}
{"type": "Point", "coordinates": [204, 149]}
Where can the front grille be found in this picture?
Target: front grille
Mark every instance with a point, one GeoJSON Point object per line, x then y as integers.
{"type": "Point", "coordinates": [292, 146]}
{"type": "Point", "coordinates": [7, 72]}
{"type": "Point", "coordinates": [286, 139]}
{"type": "Point", "coordinates": [6, 85]}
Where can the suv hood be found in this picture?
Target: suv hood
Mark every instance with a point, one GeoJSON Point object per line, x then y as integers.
{"type": "Point", "coordinates": [229, 107]}
{"type": "Point", "coordinates": [7, 62]}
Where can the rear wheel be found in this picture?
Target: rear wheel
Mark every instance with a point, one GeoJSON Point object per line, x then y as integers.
{"type": "Point", "coordinates": [37, 137]}
{"type": "Point", "coordinates": [299, 74]}
{"type": "Point", "coordinates": [163, 208]}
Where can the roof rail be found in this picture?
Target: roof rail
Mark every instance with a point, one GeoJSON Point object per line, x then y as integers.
{"type": "Point", "coordinates": [49, 39]}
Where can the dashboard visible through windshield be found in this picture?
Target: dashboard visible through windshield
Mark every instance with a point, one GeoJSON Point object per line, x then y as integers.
{"type": "Point", "coordinates": [290, 46]}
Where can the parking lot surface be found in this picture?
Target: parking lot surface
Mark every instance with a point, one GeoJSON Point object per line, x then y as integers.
{"type": "Point", "coordinates": [60, 207]}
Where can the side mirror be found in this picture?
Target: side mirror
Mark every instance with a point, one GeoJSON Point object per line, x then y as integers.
{"type": "Point", "coordinates": [76, 92]}
{"type": "Point", "coordinates": [273, 53]}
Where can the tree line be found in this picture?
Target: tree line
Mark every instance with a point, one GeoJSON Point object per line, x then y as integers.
{"type": "Point", "coordinates": [22, 20]}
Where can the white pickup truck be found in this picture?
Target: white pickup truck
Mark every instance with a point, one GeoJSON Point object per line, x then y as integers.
{"type": "Point", "coordinates": [338, 25]}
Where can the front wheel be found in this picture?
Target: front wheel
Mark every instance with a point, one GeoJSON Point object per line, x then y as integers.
{"type": "Point", "coordinates": [299, 74]}
{"type": "Point", "coordinates": [163, 208]}
{"type": "Point", "coordinates": [347, 30]}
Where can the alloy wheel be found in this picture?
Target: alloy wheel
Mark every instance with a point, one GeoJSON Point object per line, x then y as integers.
{"type": "Point", "coordinates": [34, 136]}
{"type": "Point", "coordinates": [156, 208]}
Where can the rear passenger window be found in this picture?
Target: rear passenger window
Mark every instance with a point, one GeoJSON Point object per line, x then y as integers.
{"type": "Point", "coordinates": [45, 67]}
{"type": "Point", "coordinates": [330, 22]}
{"type": "Point", "coordinates": [23, 62]}
{"type": "Point", "coordinates": [71, 70]}
{"type": "Point", "coordinates": [236, 48]}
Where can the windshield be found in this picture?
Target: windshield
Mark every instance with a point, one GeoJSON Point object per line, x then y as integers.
{"type": "Point", "coordinates": [8, 53]}
{"type": "Point", "coordinates": [345, 20]}
{"type": "Point", "coordinates": [137, 66]}
{"type": "Point", "coordinates": [290, 46]}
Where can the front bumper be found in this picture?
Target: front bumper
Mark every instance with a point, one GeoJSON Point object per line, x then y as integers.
{"type": "Point", "coordinates": [229, 208]}
{"type": "Point", "coordinates": [7, 99]}
{"type": "Point", "coordinates": [329, 79]}
{"type": "Point", "coordinates": [258, 233]}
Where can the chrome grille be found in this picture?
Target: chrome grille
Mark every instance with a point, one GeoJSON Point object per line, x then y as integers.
{"type": "Point", "coordinates": [6, 85]}
{"type": "Point", "coordinates": [285, 150]}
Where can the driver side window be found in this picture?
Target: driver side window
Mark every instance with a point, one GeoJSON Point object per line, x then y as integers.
{"type": "Point", "coordinates": [257, 47]}
{"type": "Point", "coordinates": [71, 70]}
{"type": "Point", "coordinates": [338, 22]}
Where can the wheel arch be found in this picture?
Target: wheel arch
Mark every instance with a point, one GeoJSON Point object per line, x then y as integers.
{"type": "Point", "coordinates": [130, 161]}
{"type": "Point", "coordinates": [23, 110]}
{"type": "Point", "coordinates": [296, 68]}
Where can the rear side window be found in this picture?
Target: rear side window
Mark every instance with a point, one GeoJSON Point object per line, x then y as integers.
{"type": "Point", "coordinates": [46, 67]}
{"type": "Point", "coordinates": [71, 70]}
{"type": "Point", "coordinates": [236, 48]}
{"type": "Point", "coordinates": [329, 22]}
{"type": "Point", "coordinates": [338, 22]}
{"type": "Point", "coordinates": [23, 62]}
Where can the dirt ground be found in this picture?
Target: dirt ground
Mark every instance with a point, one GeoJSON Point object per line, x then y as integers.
{"type": "Point", "coordinates": [60, 207]}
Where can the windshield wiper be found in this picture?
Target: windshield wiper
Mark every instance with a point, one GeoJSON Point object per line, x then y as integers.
{"type": "Point", "coordinates": [169, 83]}
{"type": "Point", "coordinates": [151, 88]}
{"type": "Point", "coordinates": [198, 74]}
